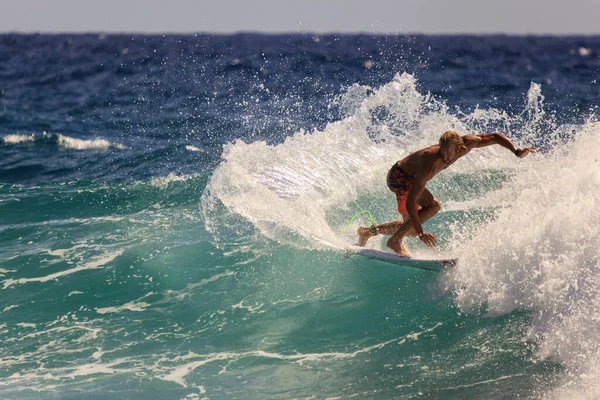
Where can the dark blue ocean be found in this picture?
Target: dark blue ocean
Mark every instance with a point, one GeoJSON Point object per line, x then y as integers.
{"type": "Point", "coordinates": [174, 210]}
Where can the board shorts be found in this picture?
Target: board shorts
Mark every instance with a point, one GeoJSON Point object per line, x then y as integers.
{"type": "Point", "coordinates": [400, 183]}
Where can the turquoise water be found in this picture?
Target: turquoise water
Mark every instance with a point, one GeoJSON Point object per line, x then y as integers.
{"type": "Point", "coordinates": [128, 295]}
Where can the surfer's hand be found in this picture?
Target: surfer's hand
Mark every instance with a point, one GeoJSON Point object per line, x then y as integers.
{"type": "Point", "coordinates": [523, 152]}
{"type": "Point", "coordinates": [429, 239]}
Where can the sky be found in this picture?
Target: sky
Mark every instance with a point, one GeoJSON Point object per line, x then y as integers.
{"type": "Point", "coordinates": [319, 16]}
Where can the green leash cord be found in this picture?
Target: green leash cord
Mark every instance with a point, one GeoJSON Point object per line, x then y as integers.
{"type": "Point", "coordinates": [372, 227]}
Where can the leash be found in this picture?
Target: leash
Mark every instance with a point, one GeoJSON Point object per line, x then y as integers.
{"type": "Point", "coordinates": [372, 227]}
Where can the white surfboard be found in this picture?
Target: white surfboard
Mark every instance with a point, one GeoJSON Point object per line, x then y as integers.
{"type": "Point", "coordinates": [397, 259]}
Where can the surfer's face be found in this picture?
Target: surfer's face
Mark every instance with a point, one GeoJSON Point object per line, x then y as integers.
{"type": "Point", "coordinates": [448, 152]}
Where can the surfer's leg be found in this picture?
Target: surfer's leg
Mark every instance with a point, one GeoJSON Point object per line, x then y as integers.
{"type": "Point", "coordinates": [390, 228]}
{"type": "Point", "coordinates": [429, 207]}
{"type": "Point", "coordinates": [399, 183]}
{"type": "Point", "coordinates": [396, 242]}
{"type": "Point", "coordinates": [364, 232]}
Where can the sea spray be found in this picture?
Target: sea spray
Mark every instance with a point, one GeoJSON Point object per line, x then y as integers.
{"type": "Point", "coordinates": [540, 253]}
{"type": "Point", "coordinates": [288, 190]}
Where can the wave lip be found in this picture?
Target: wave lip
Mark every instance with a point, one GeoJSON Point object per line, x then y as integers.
{"type": "Point", "coordinates": [63, 141]}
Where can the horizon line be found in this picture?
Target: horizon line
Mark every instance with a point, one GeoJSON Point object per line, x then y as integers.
{"type": "Point", "coordinates": [290, 33]}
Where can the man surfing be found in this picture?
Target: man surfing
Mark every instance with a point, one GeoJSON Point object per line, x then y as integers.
{"type": "Point", "coordinates": [407, 179]}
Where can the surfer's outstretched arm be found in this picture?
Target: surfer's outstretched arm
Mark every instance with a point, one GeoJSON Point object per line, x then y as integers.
{"type": "Point", "coordinates": [478, 141]}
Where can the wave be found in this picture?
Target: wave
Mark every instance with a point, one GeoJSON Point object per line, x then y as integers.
{"type": "Point", "coordinates": [534, 247]}
{"type": "Point", "coordinates": [59, 140]}
{"type": "Point", "coordinates": [301, 191]}
{"type": "Point", "coordinates": [544, 257]}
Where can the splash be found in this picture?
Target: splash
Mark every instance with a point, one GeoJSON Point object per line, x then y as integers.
{"type": "Point", "coordinates": [292, 192]}
{"type": "Point", "coordinates": [541, 253]}
{"type": "Point", "coordinates": [535, 246]}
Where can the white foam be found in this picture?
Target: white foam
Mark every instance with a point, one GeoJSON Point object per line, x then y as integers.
{"type": "Point", "coordinates": [94, 264]}
{"type": "Point", "coordinates": [131, 306]}
{"type": "Point", "coordinates": [213, 278]}
{"type": "Point", "coordinates": [250, 309]}
{"type": "Point", "coordinates": [26, 325]}
{"type": "Point", "coordinates": [193, 148]}
{"type": "Point", "coordinates": [62, 141]}
{"type": "Point", "coordinates": [134, 305]}
{"type": "Point", "coordinates": [18, 138]}
{"type": "Point", "coordinates": [90, 333]}
{"type": "Point", "coordinates": [542, 253]}
{"type": "Point", "coordinates": [178, 373]}
{"type": "Point", "coordinates": [584, 51]}
{"type": "Point", "coordinates": [164, 181]}
{"type": "Point", "coordinates": [82, 144]}
{"type": "Point", "coordinates": [6, 271]}
{"type": "Point", "coordinates": [180, 295]}
{"type": "Point", "coordinates": [91, 369]}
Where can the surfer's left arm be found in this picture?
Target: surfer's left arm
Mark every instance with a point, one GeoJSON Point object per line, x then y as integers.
{"type": "Point", "coordinates": [488, 139]}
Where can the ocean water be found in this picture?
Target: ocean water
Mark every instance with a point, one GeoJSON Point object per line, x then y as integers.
{"type": "Point", "coordinates": [172, 207]}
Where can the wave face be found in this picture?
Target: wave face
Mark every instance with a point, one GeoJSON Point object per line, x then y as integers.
{"type": "Point", "coordinates": [181, 233]}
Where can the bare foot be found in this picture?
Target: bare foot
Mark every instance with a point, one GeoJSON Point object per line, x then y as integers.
{"type": "Point", "coordinates": [398, 247]}
{"type": "Point", "coordinates": [364, 234]}
{"type": "Point", "coordinates": [403, 251]}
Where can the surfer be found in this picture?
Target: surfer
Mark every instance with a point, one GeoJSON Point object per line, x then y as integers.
{"type": "Point", "coordinates": [407, 179]}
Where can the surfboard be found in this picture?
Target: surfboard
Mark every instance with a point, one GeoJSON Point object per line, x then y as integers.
{"type": "Point", "coordinates": [397, 259]}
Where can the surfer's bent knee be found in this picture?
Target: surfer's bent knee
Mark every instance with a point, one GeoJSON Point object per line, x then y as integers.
{"type": "Point", "coordinates": [435, 204]}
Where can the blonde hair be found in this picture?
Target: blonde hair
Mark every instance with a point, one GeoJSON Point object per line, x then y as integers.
{"type": "Point", "coordinates": [452, 137]}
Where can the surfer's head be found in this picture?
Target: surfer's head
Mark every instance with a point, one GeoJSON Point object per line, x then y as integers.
{"type": "Point", "coordinates": [450, 143]}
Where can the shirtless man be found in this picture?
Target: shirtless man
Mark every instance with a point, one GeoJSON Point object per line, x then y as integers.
{"type": "Point", "coordinates": [408, 177]}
